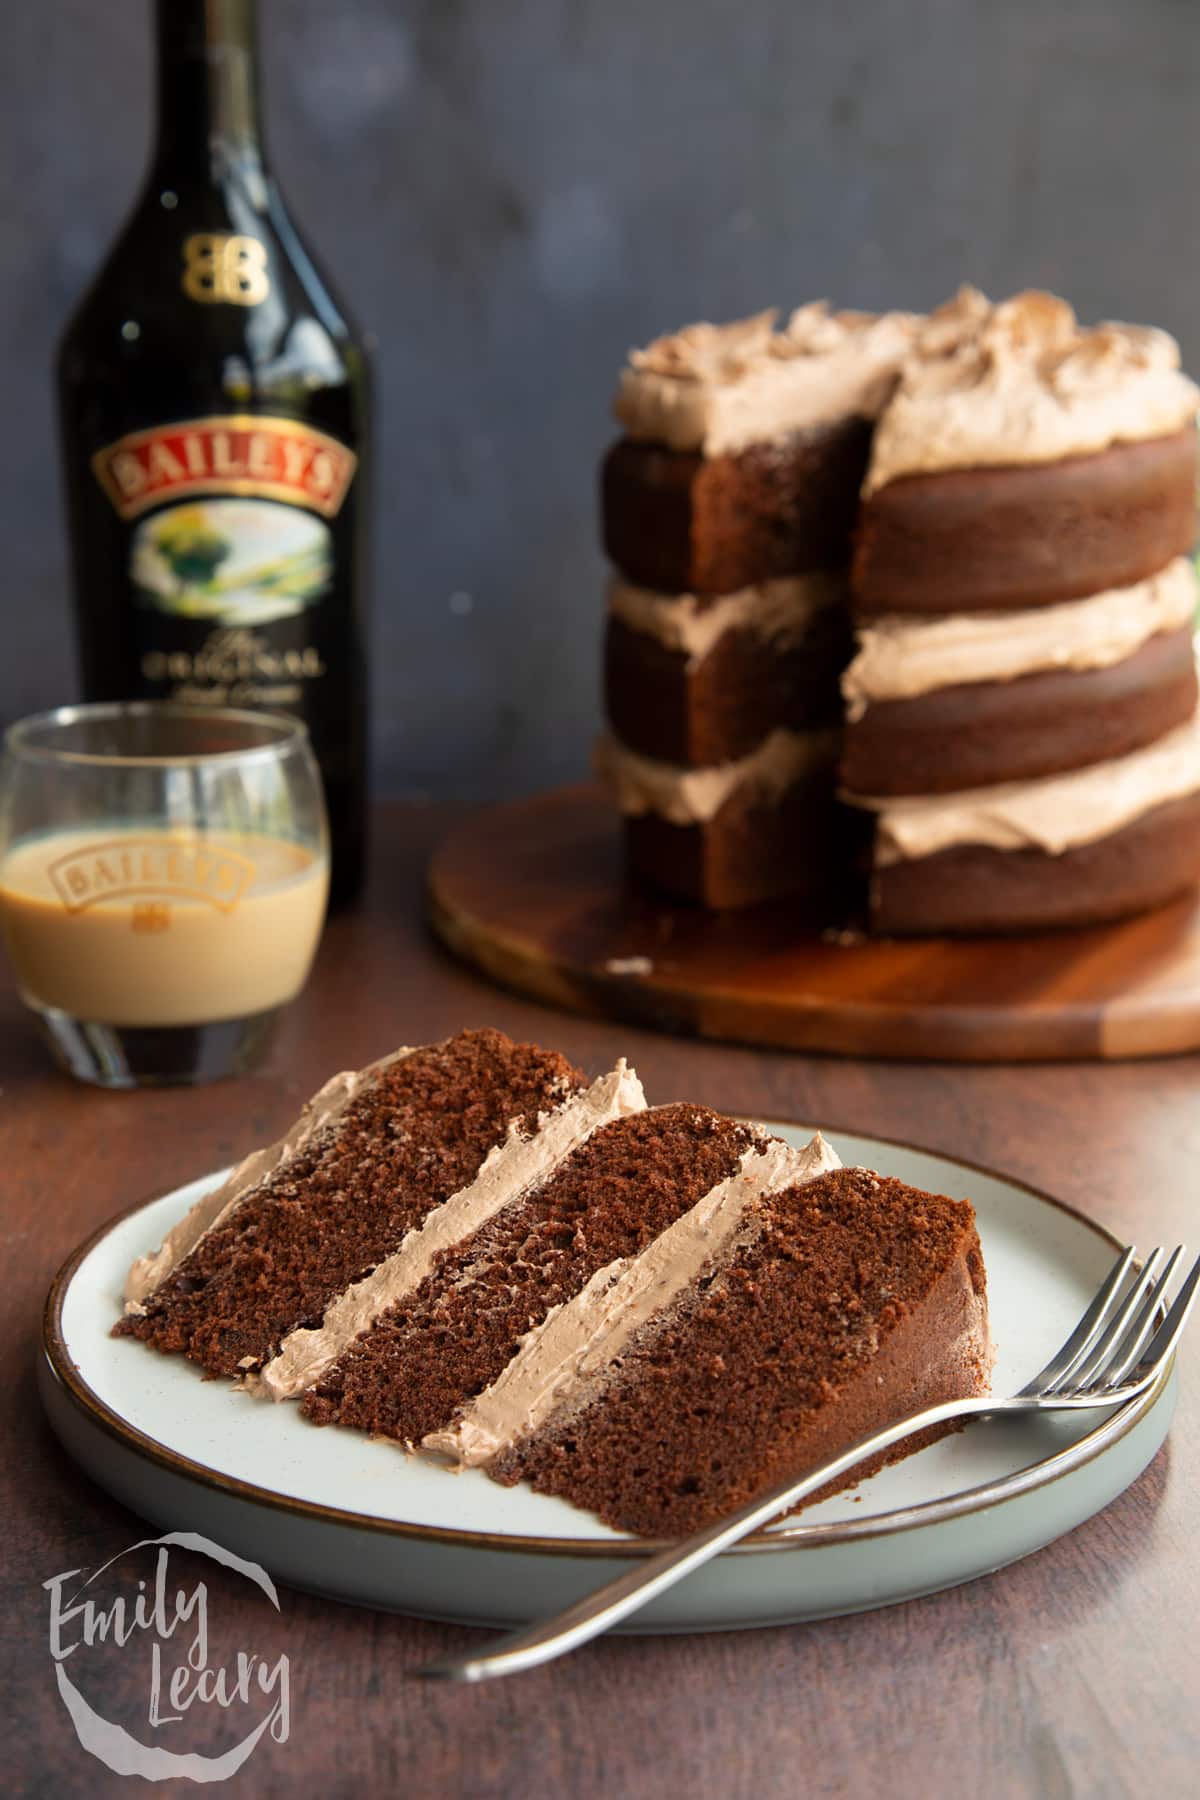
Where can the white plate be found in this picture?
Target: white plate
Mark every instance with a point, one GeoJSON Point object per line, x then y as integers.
{"type": "Point", "coordinates": [334, 1512]}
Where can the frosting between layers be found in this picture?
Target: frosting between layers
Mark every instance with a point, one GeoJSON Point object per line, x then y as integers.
{"type": "Point", "coordinates": [718, 388]}
{"type": "Point", "coordinates": [569, 1352]}
{"type": "Point", "coordinates": [783, 611]}
{"type": "Point", "coordinates": [509, 1170]}
{"type": "Point", "coordinates": [1023, 382]}
{"type": "Point", "coordinates": [640, 784]}
{"type": "Point", "coordinates": [900, 657]}
{"type": "Point", "coordinates": [326, 1105]}
{"type": "Point", "coordinates": [1054, 813]}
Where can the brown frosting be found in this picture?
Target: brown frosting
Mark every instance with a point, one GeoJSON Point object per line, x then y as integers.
{"type": "Point", "coordinates": [900, 656]}
{"type": "Point", "coordinates": [577, 1341]}
{"type": "Point", "coordinates": [1022, 382]}
{"type": "Point", "coordinates": [326, 1105]}
{"type": "Point", "coordinates": [718, 388]}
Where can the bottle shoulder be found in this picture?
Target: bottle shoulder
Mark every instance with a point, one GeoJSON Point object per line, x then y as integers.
{"type": "Point", "coordinates": [215, 279]}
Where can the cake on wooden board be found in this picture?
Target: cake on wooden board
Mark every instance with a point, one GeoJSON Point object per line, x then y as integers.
{"type": "Point", "coordinates": [1022, 596]}
{"type": "Point", "coordinates": [652, 1312]}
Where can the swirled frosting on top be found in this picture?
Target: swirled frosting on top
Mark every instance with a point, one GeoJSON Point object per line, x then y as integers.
{"type": "Point", "coordinates": [1023, 382]}
{"type": "Point", "coordinates": [719, 388]}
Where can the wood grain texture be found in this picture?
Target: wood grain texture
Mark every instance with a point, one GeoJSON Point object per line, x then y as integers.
{"type": "Point", "coordinates": [1072, 1674]}
{"type": "Point", "coordinates": [534, 893]}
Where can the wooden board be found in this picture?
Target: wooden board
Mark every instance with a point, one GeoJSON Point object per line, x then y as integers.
{"type": "Point", "coordinates": [534, 894]}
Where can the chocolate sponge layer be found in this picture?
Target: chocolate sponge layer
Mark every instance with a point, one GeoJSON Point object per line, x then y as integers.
{"type": "Point", "coordinates": [1041, 724]}
{"type": "Point", "coordinates": [679, 522]}
{"type": "Point", "coordinates": [974, 540]}
{"type": "Point", "coordinates": [974, 889]}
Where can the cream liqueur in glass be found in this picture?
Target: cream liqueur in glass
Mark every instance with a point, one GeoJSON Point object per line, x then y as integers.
{"type": "Point", "coordinates": [158, 940]}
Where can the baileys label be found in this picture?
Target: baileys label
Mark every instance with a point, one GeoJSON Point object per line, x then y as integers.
{"type": "Point", "coordinates": [275, 459]}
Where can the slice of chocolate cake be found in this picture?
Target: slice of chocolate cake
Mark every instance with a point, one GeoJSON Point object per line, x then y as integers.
{"type": "Point", "coordinates": [410, 1154]}
{"type": "Point", "coordinates": [651, 1312]}
{"type": "Point", "coordinates": [760, 1335]}
{"type": "Point", "coordinates": [448, 1339]}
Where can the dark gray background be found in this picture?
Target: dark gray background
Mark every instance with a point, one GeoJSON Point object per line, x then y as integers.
{"type": "Point", "coordinates": [511, 192]}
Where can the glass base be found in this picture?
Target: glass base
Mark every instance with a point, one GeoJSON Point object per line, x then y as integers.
{"type": "Point", "coordinates": [132, 1056]}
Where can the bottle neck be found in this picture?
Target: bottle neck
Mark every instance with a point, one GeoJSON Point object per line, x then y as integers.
{"type": "Point", "coordinates": [207, 89]}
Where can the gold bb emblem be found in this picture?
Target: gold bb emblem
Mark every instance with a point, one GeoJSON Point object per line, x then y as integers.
{"type": "Point", "coordinates": [225, 267]}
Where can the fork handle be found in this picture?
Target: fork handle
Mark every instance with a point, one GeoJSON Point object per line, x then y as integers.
{"type": "Point", "coordinates": [596, 1612]}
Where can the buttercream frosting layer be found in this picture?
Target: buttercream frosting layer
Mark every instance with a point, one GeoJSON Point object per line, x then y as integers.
{"type": "Point", "coordinates": [783, 611]}
{"type": "Point", "coordinates": [719, 388]}
{"type": "Point", "coordinates": [901, 657]}
{"type": "Point", "coordinates": [510, 1169]}
{"type": "Point", "coordinates": [322, 1111]}
{"type": "Point", "coordinates": [691, 796]}
{"type": "Point", "coordinates": [1053, 814]}
{"type": "Point", "coordinates": [568, 1354]}
{"type": "Point", "coordinates": [1022, 382]}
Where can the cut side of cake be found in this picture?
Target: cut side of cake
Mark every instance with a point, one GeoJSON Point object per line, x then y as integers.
{"type": "Point", "coordinates": [738, 1351]}
{"type": "Point", "coordinates": [433, 1353]}
{"type": "Point", "coordinates": [727, 512]}
{"type": "Point", "coordinates": [412, 1152]}
{"type": "Point", "coordinates": [740, 831]}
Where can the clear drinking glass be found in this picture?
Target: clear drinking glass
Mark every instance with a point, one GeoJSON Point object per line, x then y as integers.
{"type": "Point", "coordinates": [163, 878]}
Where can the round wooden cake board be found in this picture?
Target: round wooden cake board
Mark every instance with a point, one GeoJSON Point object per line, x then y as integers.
{"type": "Point", "coordinates": [534, 894]}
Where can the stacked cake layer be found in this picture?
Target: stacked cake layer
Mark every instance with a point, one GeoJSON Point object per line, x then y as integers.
{"type": "Point", "coordinates": [653, 1312]}
{"type": "Point", "coordinates": [727, 509]}
{"type": "Point", "coordinates": [1021, 709]}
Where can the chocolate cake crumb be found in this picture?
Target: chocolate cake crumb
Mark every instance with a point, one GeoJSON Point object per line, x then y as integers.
{"type": "Point", "coordinates": [412, 1138]}
{"type": "Point", "coordinates": [855, 1300]}
{"type": "Point", "coordinates": [443, 1344]}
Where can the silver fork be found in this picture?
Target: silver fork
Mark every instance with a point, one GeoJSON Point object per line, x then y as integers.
{"type": "Point", "coordinates": [1119, 1348]}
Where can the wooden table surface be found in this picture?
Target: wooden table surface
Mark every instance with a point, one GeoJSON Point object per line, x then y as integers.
{"type": "Point", "coordinates": [1071, 1674]}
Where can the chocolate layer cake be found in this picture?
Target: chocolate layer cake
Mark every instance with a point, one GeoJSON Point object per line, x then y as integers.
{"type": "Point", "coordinates": [652, 1312]}
{"type": "Point", "coordinates": [738, 1350]}
{"type": "Point", "coordinates": [727, 509]}
{"type": "Point", "coordinates": [1024, 691]}
{"type": "Point", "coordinates": [414, 1151]}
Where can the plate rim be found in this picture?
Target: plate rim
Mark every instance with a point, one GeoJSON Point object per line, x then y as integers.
{"type": "Point", "coordinates": [1109, 1430]}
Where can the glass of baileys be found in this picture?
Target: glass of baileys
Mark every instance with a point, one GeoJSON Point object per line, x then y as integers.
{"type": "Point", "coordinates": [164, 872]}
